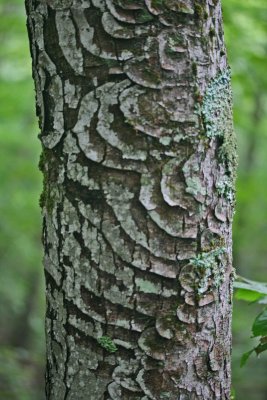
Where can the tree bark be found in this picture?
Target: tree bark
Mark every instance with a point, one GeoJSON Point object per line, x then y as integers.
{"type": "Point", "coordinates": [135, 111]}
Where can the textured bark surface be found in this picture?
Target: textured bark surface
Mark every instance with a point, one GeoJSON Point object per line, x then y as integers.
{"type": "Point", "coordinates": [134, 104]}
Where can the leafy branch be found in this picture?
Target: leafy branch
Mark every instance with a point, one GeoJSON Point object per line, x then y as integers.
{"type": "Point", "coordinates": [253, 291]}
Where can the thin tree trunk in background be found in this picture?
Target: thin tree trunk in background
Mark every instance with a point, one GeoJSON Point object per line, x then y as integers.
{"type": "Point", "coordinates": [134, 103]}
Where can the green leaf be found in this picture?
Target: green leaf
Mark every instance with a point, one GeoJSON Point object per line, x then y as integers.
{"type": "Point", "coordinates": [245, 357]}
{"type": "Point", "coordinates": [232, 394]}
{"type": "Point", "coordinates": [248, 295]}
{"type": "Point", "coordinates": [262, 346]}
{"type": "Point", "coordinates": [259, 327]}
{"type": "Point", "coordinates": [247, 284]}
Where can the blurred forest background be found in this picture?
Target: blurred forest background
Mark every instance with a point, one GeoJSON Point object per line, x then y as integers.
{"type": "Point", "coordinates": [21, 283]}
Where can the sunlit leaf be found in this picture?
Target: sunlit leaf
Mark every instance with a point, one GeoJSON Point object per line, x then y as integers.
{"type": "Point", "coordinates": [248, 295]}
{"type": "Point", "coordinates": [249, 285]}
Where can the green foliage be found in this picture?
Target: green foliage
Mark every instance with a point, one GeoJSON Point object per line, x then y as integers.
{"type": "Point", "coordinates": [245, 30]}
{"type": "Point", "coordinates": [249, 290]}
{"type": "Point", "coordinates": [21, 289]}
{"type": "Point", "coordinates": [257, 292]}
{"type": "Point", "coordinates": [18, 371]}
{"type": "Point", "coordinates": [232, 395]}
{"type": "Point", "coordinates": [245, 357]}
{"type": "Point", "coordinates": [107, 343]}
{"type": "Point", "coordinates": [259, 328]}
{"type": "Point", "coordinates": [248, 295]}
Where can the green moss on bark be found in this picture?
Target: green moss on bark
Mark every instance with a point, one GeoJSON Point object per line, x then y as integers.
{"type": "Point", "coordinates": [107, 343]}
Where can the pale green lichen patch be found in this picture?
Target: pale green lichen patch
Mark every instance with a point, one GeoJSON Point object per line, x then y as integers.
{"type": "Point", "coordinates": [224, 188]}
{"type": "Point", "coordinates": [217, 106]}
{"type": "Point", "coordinates": [216, 111]}
{"type": "Point", "coordinates": [147, 286]}
{"type": "Point", "coordinates": [107, 343]}
{"type": "Point", "coordinates": [195, 186]}
{"type": "Point", "coordinates": [165, 140]}
{"type": "Point", "coordinates": [207, 266]}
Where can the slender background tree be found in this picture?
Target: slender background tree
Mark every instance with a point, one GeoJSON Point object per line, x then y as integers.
{"type": "Point", "coordinates": [135, 111]}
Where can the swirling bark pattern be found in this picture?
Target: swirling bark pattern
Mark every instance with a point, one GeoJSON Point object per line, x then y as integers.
{"type": "Point", "coordinates": [134, 105]}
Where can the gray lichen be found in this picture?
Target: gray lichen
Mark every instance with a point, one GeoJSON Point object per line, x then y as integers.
{"type": "Point", "coordinates": [216, 111]}
{"type": "Point", "coordinates": [208, 265]}
{"type": "Point", "coordinates": [225, 189]}
{"type": "Point", "coordinates": [217, 106]}
{"type": "Point", "coordinates": [195, 186]}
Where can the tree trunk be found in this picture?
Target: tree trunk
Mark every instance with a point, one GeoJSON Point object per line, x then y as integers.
{"type": "Point", "coordinates": [134, 104]}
